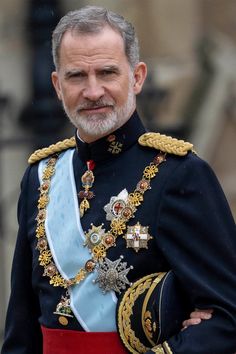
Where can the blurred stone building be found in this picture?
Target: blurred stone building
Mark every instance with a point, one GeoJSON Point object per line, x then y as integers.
{"type": "Point", "coordinates": [190, 47]}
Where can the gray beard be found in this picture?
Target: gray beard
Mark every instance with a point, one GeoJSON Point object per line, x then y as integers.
{"type": "Point", "coordinates": [101, 124]}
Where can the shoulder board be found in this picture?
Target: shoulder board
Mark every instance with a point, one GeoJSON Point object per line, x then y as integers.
{"type": "Point", "coordinates": [165, 143]}
{"type": "Point", "coordinates": [52, 149]}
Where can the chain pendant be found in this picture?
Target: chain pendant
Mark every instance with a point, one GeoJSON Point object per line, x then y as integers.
{"type": "Point", "coordinates": [63, 309]}
{"type": "Point", "coordinates": [87, 181]}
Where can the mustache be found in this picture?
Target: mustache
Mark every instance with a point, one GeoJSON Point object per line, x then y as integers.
{"type": "Point", "coordinates": [95, 104]}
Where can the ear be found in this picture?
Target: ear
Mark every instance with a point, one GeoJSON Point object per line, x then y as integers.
{"type": "Point", "coordinates": [140, 73]}
{"type": "Point", "coordinates": [56, 84]}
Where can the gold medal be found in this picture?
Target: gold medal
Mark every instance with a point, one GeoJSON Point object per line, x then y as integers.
{"type": "Point", "coordinates": [63, 320]}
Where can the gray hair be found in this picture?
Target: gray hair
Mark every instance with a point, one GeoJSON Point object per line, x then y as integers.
{"type": "Point", "coordinates": [92, 19]}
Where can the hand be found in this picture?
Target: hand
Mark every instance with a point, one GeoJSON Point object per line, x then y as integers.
{"type": "Point", "coordinates": [196, 317]}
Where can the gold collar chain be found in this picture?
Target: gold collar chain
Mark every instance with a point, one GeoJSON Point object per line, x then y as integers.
{"type": "Point", "coordinates": [117, 226]}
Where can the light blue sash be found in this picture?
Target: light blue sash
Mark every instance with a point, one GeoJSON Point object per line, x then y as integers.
{"type": "Point", "coordinates": [94, 310]}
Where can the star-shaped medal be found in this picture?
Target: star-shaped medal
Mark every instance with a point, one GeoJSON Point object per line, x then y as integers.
{"type": "Point", "coordinates": [137, 237]}
{"type": "Point", "coordinates": [94, 236]}
{"type": "Point", "coordinates": [112, 275]}
{"type": "Point", "coordinates": [119, 206]}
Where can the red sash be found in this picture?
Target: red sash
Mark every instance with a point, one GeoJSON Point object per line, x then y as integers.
{"type": "Point", "coordinates": [60, 341]}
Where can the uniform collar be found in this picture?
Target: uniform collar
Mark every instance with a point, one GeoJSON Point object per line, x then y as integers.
{"type": "Point", "coordinates": [113, 144]}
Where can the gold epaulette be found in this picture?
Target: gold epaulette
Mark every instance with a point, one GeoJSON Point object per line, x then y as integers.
{"type": "Point", "coordinates": [52, 149]}
{"type": "Point", "coordinates": [165, 143]}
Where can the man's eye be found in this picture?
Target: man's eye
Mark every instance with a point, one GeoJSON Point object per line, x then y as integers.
{"type": "Point", "coordinates": [78, 75]}
{"type": "Point", "coordinates": [107, 72]}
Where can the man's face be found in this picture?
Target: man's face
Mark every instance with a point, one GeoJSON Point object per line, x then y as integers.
{"type": "Point", "coordinates": [95, 82]}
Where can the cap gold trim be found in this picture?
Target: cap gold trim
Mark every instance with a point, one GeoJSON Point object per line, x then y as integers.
{"type": "Point", "coordinates": [144, 308]}
{"type": "Point", "coordinates": [158, 350]}
{"type": "Point", "coordinates": [167, 348]}
{"type": "Point", "coordinates": [127, 334]}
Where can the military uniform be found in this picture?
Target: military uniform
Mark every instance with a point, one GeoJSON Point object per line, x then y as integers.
{"type": "Point", "coordinates": [179, 221]}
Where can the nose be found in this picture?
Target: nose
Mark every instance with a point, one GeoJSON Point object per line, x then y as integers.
{"type": "Point", "coordinates": [93, 89]}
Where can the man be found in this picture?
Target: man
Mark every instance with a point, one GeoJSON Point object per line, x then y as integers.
{"type": "Point", "coordinates": [117, 213]}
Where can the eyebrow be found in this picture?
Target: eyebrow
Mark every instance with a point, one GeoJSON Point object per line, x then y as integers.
{"type": "Point", "coordinates": [72, 72]}
{"type": "Point", "coordinates": [114, 68]}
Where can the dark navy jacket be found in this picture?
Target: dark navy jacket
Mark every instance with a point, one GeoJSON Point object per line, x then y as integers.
{"type": "Point", "coordinates": [193, 234]}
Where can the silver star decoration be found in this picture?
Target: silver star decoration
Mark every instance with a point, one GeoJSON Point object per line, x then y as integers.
{"type": "Point", "coordinates": [112, 275]}
{"type": "Point", "coordinates": [121, 198]}
{"type": "Point", "coordinates": [120, 207]}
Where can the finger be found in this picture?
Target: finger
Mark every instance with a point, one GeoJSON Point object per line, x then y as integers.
{"type": "Point", "coordinates": [201, 314]}
{"type": "Point", "coordinates": [191, 321]}
{"type": "Point", "coordinates": [205, 310]}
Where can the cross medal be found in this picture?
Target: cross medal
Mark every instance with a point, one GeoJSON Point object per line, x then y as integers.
{"type": "Point", "coordinates": [137, 237]}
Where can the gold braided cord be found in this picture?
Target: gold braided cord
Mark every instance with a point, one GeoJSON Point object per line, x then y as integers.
{"type": "Point", "coordinates": [165, 143]}
{"type": "Point", "coordinates": [125, 311]}
{"type": "Point", "coordinates": [167, 348]}
{"type": "Point", "coordinates": [158, 349]}
{"type": "Point", "coordinates": [145, 303]}
{"type": "Point", "coordinates": [52, 149]}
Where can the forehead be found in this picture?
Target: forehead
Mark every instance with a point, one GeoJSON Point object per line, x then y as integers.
{"type": "Point", "coordinates": [106, 46]}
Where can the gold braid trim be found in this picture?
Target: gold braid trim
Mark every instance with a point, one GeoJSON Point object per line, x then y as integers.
{"type": "Point", "coordinates": [165, 143]}
{"type": "Point", "coordinates": [125, 310]}
{"type": "Point", "coordinates": [158, 349]}
{"type": "Point", "coordinates": [155, 282]}
{"type": "Point", "coordinates": [163, 348]}
{"type": "Point", "coordinates": [52, 149]}
{"type": "Point", "coordinates": [167, 348]}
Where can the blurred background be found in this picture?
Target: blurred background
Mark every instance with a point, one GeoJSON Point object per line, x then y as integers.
{"type": "Point", "coordinates": [190, 92]}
